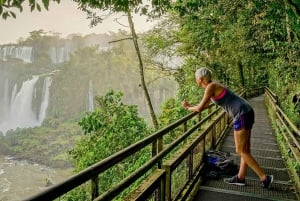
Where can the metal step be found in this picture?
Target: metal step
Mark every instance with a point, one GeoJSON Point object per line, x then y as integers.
{"type": "Point", "coordinates": [215, 194]}
{"type": "Point", "coordinates": [257, 139]}
{"type": "Point", "coordinates": [212, 194]}
{"type": "Point", "coordinates": [277, 191]}
{"type": "Point", "coordinates": [256, 152]}
{"type": "Point", "coordinates": [254, 145]}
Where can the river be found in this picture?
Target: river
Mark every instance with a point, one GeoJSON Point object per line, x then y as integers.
{"type": "Point", "coordinates": [21, 179]}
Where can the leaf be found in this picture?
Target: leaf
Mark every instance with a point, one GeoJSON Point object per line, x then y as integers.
{"type": "Point", "coordinates": [32, 7]}
{"type": "Point", "coordinates": [31, 2]}
{"type": "Point", "coordinates": [20, 8]}
{"type": "Point", "coordinates": [12, 14]}
{"type": "Point", "coordinates": [38, 7]}
{"type": "Point", "coordinates": [46, 4]}
{"type": "Point", "coordinates": [5, 15]}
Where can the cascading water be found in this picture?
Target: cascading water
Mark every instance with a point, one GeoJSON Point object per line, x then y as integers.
{"type": "Point", "coordinates": [19, 112]}
{"type": "Point", "coordinates": [21, 106]}
{"type": "Point", "coordinates": [24, 53]}
{"type": "Point", "coordinates": [45, 99]}
{"type": "Point", "coordinates": [90, 97]}
{"type": "Point", "coordinates": [6, 99]}
{"type": "Point", "coordinates": [59, 54]}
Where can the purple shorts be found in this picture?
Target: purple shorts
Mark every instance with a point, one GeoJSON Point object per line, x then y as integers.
{"type": "Point", "coordinates": [245, 121]}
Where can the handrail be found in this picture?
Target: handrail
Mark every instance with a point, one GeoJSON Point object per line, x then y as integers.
{"type": "Point", "coordinates": [89, 173]}
{"type": "Point", "coordinates": [150, 163]}
{"type": "Point", "coordinates": [289, 132]}
{"type": "Point", "coordinates": [292, 132]}
{"type": "Point", "coordinates": [95, 170]}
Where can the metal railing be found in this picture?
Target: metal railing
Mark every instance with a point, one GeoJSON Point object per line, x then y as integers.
{"type": "Point", "coordinates": [290, 133]}
{"type": "Point", "coordinates": [182, 158]}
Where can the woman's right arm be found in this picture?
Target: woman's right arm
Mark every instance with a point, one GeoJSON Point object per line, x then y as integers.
{"type": "Point", "coordinates": [209, 92]}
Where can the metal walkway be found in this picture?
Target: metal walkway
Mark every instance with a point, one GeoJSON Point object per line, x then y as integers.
{"type": "Point", "coordinates": [265, 150]}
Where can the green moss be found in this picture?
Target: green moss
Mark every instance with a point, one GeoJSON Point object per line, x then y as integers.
{"type": "Point", "coordinates": [45, 145]}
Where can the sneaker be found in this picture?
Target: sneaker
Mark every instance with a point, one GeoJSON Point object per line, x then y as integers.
{"type": "Point", "coordinates": [235, 180]}
{"type": "Point", "coordinates": [267, 182]}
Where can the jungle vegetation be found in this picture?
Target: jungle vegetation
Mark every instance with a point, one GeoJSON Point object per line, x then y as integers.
{"type": "Point", "coordinates": [246, 43]}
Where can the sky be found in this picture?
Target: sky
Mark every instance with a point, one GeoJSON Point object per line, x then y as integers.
{"type": "Point", "coordinates": [63, 18]}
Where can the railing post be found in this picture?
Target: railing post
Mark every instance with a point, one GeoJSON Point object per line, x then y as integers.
{"type": "Point", "coordinates": [159, 149]}
{"type": "Point", "coordinates": [199, 119]}
{"type": "Point", "coordinates": [168, 183]}
{"type": "Point", "coordinates": [154, 148]}
{"type": "Point", "coordinates": [95, 189]}
{"type": "Point", "coordinates": [157, 146]}
{"type": "Point", "coordinates": [190, 165]}
{"type": "Point", "coordinates": [159, 193]}
{"type": "Point", "coordinates": [209, 111]}
{"type": "Point", "coordinates": [163, 190]}
{"type": "Point", "coordinates": [184, 127]}
{"type": "Point", "coordinates": [213, 136]}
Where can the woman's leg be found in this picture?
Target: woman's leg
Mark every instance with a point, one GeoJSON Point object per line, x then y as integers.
{"type": "Point", "coordinates": [243, 165]}
{"type": "Point", "coordinates": [242, 145]}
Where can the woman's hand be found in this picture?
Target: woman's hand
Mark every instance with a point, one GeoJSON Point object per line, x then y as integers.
{"type": "Point", "coordinates": [185, 104]}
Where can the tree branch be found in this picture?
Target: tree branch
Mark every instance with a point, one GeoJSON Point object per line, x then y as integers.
{"type": "Point", "coordinates": [294, 6]}
{"type": "Point", "coordinates": [115, 41]}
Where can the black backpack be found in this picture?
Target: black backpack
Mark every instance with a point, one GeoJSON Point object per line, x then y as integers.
{"type": "Point", "coordinates": [218, 164]}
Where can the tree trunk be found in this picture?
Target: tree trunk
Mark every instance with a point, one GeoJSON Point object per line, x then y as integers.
{"type": "Point", "coordinates": [240, 65]}
{"type": "Point", "coordinates": [141, 68]}
{"type": "Point", "coordinates": [287, 22]}
{"type": "Point", "coordinates": [156, 144]}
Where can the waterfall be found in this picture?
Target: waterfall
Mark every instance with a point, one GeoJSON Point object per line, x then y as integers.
{"type": "Point", "coordinates": [90, 97]}
{"type": "Point", "coordinates": [13, 95]}
{"type": "Point", "coordinates": [59, 54]}
{"type": "Point", "coordinates": [45, 99]}
{"type": "Point", "coordinates": [20, 112]}
{"type": "Point", "coordinates": [24, 53]}
{"type": "Point", "coordinates": [6, 96]}
{"type": "Point", "coordinates": [21, 106]}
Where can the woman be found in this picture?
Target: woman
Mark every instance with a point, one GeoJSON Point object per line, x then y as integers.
{"type": "Point", "coordinates": [243, 120]}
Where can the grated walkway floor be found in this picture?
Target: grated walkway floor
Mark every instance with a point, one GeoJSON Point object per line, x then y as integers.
{"type": "Point", "coordinates": [265, 150]}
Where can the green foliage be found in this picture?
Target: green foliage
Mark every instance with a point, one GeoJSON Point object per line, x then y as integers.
{"type": "Point", "coordinates": [110, 128]}
{"type": "Point", "coordinates": [79, 194]}
{"type": "Point", "coordinates": [151, 8]}
{"type": "Point", "coordinates": [26, 143]}
{"type": "Point", "coordinates": [7, 7]}
{"type": "Point", "coordinates": [113, 123]}
{"type": "Point", "coordinates": [247, 42]}
{"type": "Point", "coordinates": [114, 68]}
{"type": "Point", "coordinates": [259, 39]}
{"type": "Point", "coordinates": [171, 110]}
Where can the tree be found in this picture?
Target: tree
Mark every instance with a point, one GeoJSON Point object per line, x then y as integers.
{"type": "Point", "coordinates": [295, 5]}
{"type": "Point", "coordinates": [111, 127]}
{"type": "Point", "coordinates": [155, 8]}
{"type": "Point", "coordinates": [127, 7]}
{"type": "Point", "coordinates": [7, 7]}
{"type": "Point", "coordinates": [246, 43]}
